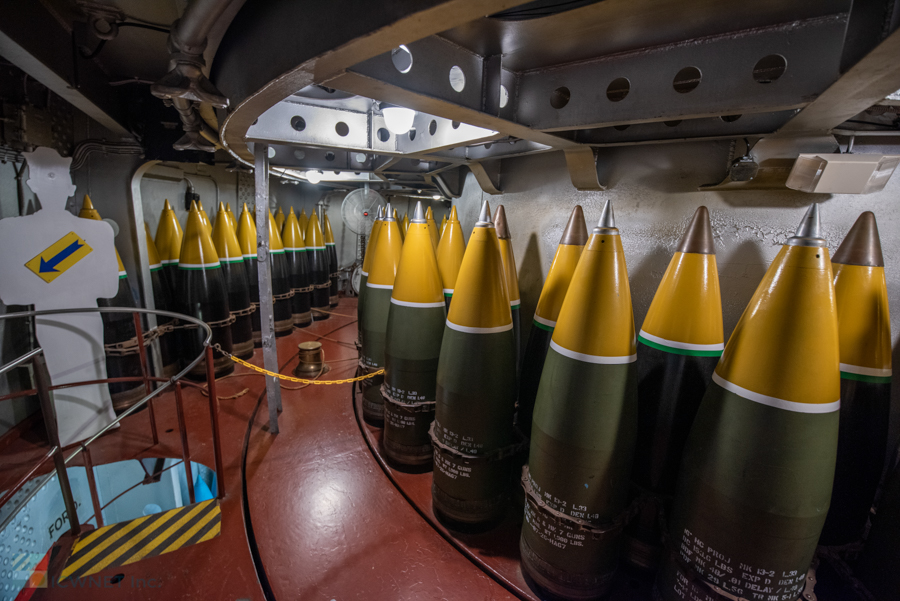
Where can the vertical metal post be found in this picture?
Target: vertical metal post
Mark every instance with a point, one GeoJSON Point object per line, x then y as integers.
{"type": "Point", "coordinates": [266, 315]}
{"type": "Point", "coordinates": [92, 485]}
{"type": "Point", "coordinates": [185, 449]}
{"type": "Point", "coordinates": [48, 410]}
{"type": "Point", "coordinates": [142, 353]}
{"type": "Point", "coordinates": [143, 271]}
{"type": "Point", "coordinates": [214, 422]}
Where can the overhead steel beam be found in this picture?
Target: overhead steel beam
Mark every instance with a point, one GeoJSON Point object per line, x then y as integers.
{"type": "Point", "coordinates": [865, 84]}
{"type": "Point", "coordinates": [256, 74]}
{"type": "Point", "coordinates": [33, 40]}
{"type": "Point", "coordinates": [501, 149]}
{"type": "Point", "coordinates": [728, 82]}
{"type": "Point", "coordinates": [733, 126]}
{"type": "Point", "coordinates": [373, 87]}
{"type": "Point", "coordinates": [339, 129]}
{"type": "Point", "coordinates": [869, 23]}
{"type": "Point", "coordinates": [811, 49]}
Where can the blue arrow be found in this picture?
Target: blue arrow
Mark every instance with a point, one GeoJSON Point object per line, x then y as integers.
{"type": "Point", "coordinates": [50, 266]}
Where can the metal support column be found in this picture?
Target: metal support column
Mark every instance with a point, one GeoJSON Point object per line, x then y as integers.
{"type": "Point", "coordinates": [266, 315]}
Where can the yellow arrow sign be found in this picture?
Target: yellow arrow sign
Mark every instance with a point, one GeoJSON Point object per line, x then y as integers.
{"type": "Point", "coordinates": [58, 257]}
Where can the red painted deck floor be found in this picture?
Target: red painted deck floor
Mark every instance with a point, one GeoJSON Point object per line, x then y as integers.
{"type": "Point", "coordinates": [312, 513]}
{"type": "Point", "coordinates": [325, 519]}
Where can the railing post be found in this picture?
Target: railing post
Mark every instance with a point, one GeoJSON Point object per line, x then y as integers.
{"type": "Point", "coordinates": [48, 410]}
{"type": "Point", "coordinates": [185, 450]}
{"type": "Point", "coordinates": [92, 485]}
{"type": "Point", "coordinates": [266, 315]}
{"type": "Point", "coordinates": [139, 335]}
{"type": "Point", "coordinates": [214, 422]}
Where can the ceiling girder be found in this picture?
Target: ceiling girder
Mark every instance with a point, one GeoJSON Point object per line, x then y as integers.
{"type": "Point", "coordinates": [865, 84]}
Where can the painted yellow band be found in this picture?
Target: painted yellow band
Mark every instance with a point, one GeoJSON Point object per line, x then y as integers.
{"type": "Point", "coordinates": [385, 255]}
{"type": "Point", "coordinates": [450, 252]}
{"type": "Point", "coordinates": [418, 279]}
{"type": "Point", "coordinates": [479, 297]}
{"type": "Point", "coordinates": [596, 317]}
{"type": "Point", "coordinates": [370, 247]}
{"type": "Point", "coordinates": [687, 307]}
{"type": "Point", "coordinates": [557, 283]}
{"type": "Point", "coordinates": [785, 345]}
{"type": "Point", "coordinates": [864, 318]}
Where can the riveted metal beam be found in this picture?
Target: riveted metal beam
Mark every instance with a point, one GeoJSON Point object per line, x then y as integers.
{"type": "Point", "coordinates": [728, 126]}
{"type": "Point", "coordinates": [726, 84]}
{"type": "Point", "coordinates": [372, 87]}
{"type": "Point", "coordinates": [340, 129]}
{"type": "Point", "coordinates": [865, 84]}
{"type": "Point", "coordinates": [256, 75]}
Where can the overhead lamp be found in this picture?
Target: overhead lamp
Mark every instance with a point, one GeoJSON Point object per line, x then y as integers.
{"type": "Point", "coordinates": [398, 119]}
{"type": "Point", "coordinates": [436, 197]}
{"type": "Point", "coordinates": [313, 176]}
{"type": "Point", "coordinates": [843, 173]}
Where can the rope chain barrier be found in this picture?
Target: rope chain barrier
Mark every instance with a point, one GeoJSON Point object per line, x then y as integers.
{"type": "Point", "coordinates": [291, 378]}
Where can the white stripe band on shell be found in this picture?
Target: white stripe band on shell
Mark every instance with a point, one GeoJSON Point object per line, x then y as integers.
{"type": "Point", "coordinates": [866, 371]}
{"type": "Point", "coordinates": [380, 286]}
{"type": "Point", "coordinates": [546, 322]}
{"type": "Point", "coordinates": [597, 359]}
{"type": "Point", "coordinates": [776, 402]}
{"type": "Point", "coordinates": [687, 346]}
{"type": "Point", "coordinates": [417, 305]}
{"type": "Point", "coordinates": [471, 330]}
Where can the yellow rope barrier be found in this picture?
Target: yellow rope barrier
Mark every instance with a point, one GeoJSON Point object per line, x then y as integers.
{"type": "Point", "coordinates": [293, 379]}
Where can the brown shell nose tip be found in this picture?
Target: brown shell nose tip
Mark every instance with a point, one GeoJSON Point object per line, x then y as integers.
{"type": "Point", "coordinates": [698, 237]}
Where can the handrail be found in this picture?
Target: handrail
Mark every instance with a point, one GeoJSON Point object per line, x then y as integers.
{"type": "Point", "coordinates": [143, 400]}
{"type": "Point", "coordinates": [44, 387]}
{"type": "Point", "coordinates": [27, 357]}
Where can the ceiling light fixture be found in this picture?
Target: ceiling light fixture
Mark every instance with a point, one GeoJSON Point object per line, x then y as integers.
{"type": "Point", "coordinates": [398, 119]}
{"type": "Point", "coordinates": [313, 177]}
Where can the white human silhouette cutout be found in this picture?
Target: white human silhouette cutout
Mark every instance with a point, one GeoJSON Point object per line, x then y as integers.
{"type": "Point", "coordinates": [72, 343]}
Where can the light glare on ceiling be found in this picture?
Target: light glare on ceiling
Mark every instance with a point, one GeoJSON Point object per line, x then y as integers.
{"type": "Point", "coordinates": [398, 119]}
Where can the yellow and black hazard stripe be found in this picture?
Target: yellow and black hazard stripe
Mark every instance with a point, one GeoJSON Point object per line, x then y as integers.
{"type": "Point", "coordinates": [127, 542]}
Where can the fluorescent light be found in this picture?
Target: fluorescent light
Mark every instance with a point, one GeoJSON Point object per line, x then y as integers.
{"type": "Point", "coordinates": [313, 177]}
{"type": "Point", "coordinates": [398, 119]}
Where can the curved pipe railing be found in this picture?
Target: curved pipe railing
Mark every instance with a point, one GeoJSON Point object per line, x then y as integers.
{"type": "Point", "coordinates": [44, 388]}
